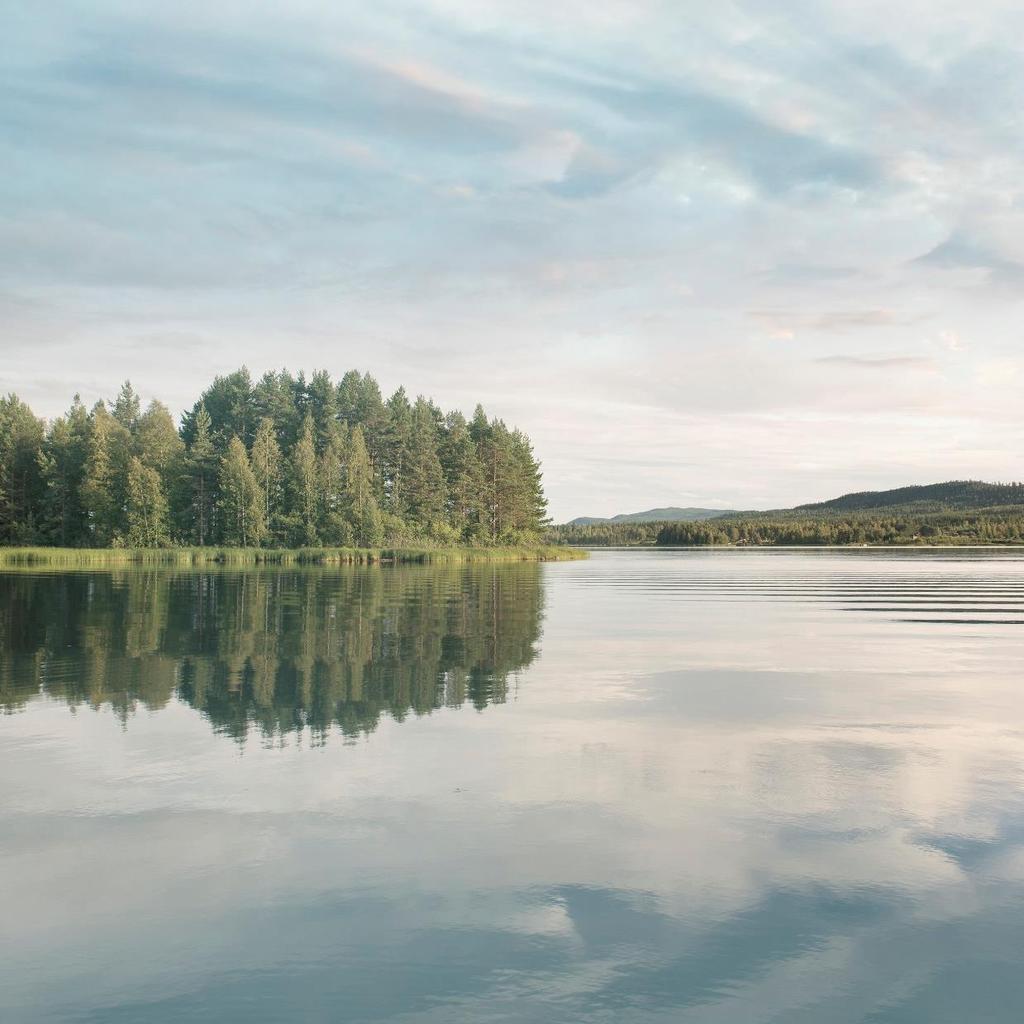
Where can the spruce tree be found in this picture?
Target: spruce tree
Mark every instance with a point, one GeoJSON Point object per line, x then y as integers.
{"type": "Point", "coordinates": [322, 406]}
{"type": "Point", "coordinates": [304, 487]}
{"type": "Point", "coordinates": [463, 478]}
{"type": "Point", "coordinates": [242, 523]}
{"type": "Point", "coordinates": [147, 510]}
{"type": "Point", "coordinates": [334, 525]}
{"type": "Point", "coordinates": [396, 441]}
{"type": "Point", "coordinates": [21, 481]}
{"type": "Point", "coordinates": [126, 407]}
{"type": "Point", "coordinates": [103, 484]}
{"type": "Point", "coordinates": [423, 497]}
{"type": "Point", "coordinates": [202, 472]}
{"type": "Point", "coordinates": [159, 446]}
{"type": "Point", "coordinates": [62, 465]}
{"type": "Point", "coordinates": [265, 459]}
{"type": "Point", "coordinates": [364, 512]}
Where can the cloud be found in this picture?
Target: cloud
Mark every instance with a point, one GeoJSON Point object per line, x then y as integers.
{"type": "Point", "coordinates": [960, 250]}
{"type": "Point", "coordinates": [879, 362]}
{"type": "Point", "coordinates": [514, 189]}
{"type": "Point", "coordinates": [830, 321]}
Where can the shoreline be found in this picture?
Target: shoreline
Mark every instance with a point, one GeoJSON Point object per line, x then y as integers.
{"type": "Point", "coordinates": [43, 557]}
{"type": "Point", "coordinates": [977, 545]}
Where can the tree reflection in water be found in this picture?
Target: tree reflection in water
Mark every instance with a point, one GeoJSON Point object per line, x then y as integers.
{"type": "Point", "coordinates": [277, 651]}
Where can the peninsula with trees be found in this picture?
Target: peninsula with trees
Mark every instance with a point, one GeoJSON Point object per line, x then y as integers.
{"type": "Point", "coordinates": [279, 463]}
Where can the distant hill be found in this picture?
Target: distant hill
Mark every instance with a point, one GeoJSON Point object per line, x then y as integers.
{"type": "Point", "coordinates": [672, 514]}
{"type": "Point", "coordinates": [954, 494]}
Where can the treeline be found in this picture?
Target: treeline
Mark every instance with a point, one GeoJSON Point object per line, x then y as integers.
{"type": "Point", "coordinates": [604, 534]}
{"type": "Point", "coordinates": [941, 497]}
{"type": "Point", "coordinates": [986, 526]}
{"type": "Point", "coordinates": [279, 462]}
{"type": "Point", "coordinates": [275, 652]}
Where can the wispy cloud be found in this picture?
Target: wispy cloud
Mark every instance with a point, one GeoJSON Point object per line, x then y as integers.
{"type": "Point", "coordinates": [878, 362]}
{"type": "Point", "coordinates": [634, 211]}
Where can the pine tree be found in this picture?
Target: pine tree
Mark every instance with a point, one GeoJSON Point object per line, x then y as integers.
{"type": "Point", "coordinates": [240, 507]}
{"type": "Point", "coordinates": [322, 405]}
{"type": "Point", "coordinates": [159, 446]}
{"type": "Point", "coordinates": [364, 512]}
{"type": "Point", "coordinates": [265, 459]}
{"type": "Point", "coordinates": [463, 478]}
{"type": "Point", "coordinates": [202, 471]}
{"type": "Point", "coordinates": [103, 484]}
{"type": "Point", "coordinates": [21, 481]}
{"type": "Point", "coordinates": [147, 510]}
{"type": "Point", "coordinates": [62, 465]}
{"type": "Point", "coordinates": [395, 455]}
{"type": "Point", "coordinates": [304, 488]}
{"type": "Point", "coordinates": [275, 397]}
{"type": "Point", "coordinates": [231, 406]}
{"type": "Point", "coordinates": [423, 491]}
{"type": "Point", "coordinates": [334, 525]}
{"type": "Point", "coordinates": [126, 407]}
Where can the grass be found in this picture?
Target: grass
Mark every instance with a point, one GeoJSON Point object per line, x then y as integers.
{"type": "Point", "coordinates": [85, 558]}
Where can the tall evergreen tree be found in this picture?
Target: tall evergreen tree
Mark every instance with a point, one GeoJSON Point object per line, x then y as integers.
{"type": "Point", "coordinates": [334, 525]}
{"type": "Point", "coordinates": [242, 523]}
{"type": "Point", "coordinates": [364, 512]}
{"type": "Point", "coordinates": [147, 509]}
{"type": "Point", "coordinates": [103, 483]}
{"type": "Point", "coordinates": [275, 397]}
{"type": "Point", "coordinates": [62, 465]}
{"type": "Point", "coordinates": [322, 406]}
{"type": "Point", "coordinates": [159, 446]}
{"type": "Point", "coordinates": [423, 490]}
{"type": "Point", "coordinates": [265, 459]}
{"type": "Point", "coordinates": [395, 451]}
{"type": "Point", "coordinates": [202, 467]}
{"type": "Point", "coordinates": [230, 403]}
{"type": "Point", "coordinates": [127, 407]}
{"type": "Point", "coordinates": [21, 480]}
{"type": "Point", "coordinates": [304, 487]}
{"type": "Point", "coordinates": [463, 478]}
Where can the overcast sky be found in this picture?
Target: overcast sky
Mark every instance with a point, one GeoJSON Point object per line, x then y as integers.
{"type": "Point", "coordinates": [734, 254]}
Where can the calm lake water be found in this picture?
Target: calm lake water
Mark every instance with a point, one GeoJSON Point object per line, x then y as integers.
{"type": "Point", "coordinates": [733, 786]}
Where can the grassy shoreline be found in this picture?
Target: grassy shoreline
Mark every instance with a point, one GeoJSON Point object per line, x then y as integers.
{"type": "Point", "coordinates": [79, 558]}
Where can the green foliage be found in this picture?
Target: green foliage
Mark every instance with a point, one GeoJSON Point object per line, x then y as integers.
{"type": "Point", "coordinates": [201, 470]}
{"type": "Point", "coordinates": [283, 461]}
{"type": "Point", "coordinates": [1001, 525]}
{"type": "Point", "coordinates": [147, 511]}
{"type": "Point", "coordinates": [104, 478]}
{"type": "Point", "coordinates": [21, 473]}
{"type": "Point", "coordinates": [241, 505]}
{"type": "Point", "coordinates": [605, 534]}
{"type": "Point", "coordinates": [953, 494]}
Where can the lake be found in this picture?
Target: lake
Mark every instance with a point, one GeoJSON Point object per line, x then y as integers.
{"type": "Point", "coordinates": [673, 786]}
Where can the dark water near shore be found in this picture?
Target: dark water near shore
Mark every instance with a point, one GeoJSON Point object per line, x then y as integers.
{"type": "Point", "coordinates": [715, 787]}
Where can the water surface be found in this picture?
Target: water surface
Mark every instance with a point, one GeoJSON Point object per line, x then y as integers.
{"type": "Point", "coordinates": [734, 786]}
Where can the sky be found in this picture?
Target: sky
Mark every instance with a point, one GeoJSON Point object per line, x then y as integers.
{"type": "Point", "coordinates": [737, 254]}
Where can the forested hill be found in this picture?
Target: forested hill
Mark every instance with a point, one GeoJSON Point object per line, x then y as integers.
{"type": "Point", "coordinates": [671, 514]}
{"type": "Point", "coordinates": [954, 494]}
{"type": "Point", "coordinates": [955, 512]}
{"type": "Point", "coordinates": [283, 461]}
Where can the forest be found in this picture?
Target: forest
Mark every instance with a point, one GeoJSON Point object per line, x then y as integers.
{"type": "Point", "coordinates": [282, 461]}
{"type": "Point", "coordinates": [953, 512]}
{"type": "Point", "coordinates": [981, 526]}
